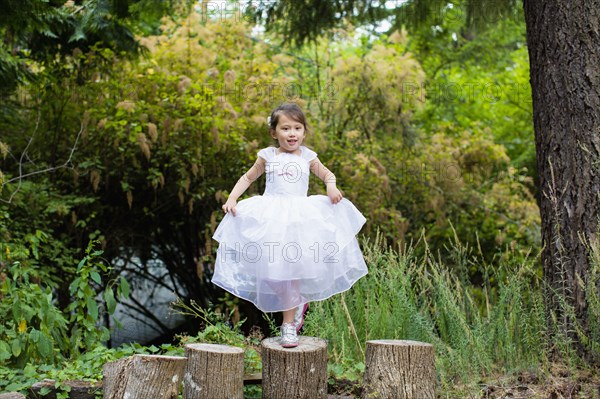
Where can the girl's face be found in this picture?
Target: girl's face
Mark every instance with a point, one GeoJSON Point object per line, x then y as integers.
{"type": "Point", "coordinates": [289, 133]}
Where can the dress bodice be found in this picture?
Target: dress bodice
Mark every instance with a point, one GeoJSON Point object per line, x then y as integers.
{"type": "Point", "coordinates": [287, 174]}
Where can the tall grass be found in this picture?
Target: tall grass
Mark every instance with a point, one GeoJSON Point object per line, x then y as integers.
{"type": "Point", "coordinates": [592, 293]}
{"type": "Point", "coordinates": [498, 326]}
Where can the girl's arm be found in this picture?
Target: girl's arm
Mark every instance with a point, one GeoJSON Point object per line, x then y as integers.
{"type": "Point", "coordinates": [328, 178]}
{"type": "Point", "coordinates": [243, 183]}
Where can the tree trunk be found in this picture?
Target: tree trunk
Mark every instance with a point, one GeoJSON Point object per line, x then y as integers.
{"type": "Point", "coordinates": [399, 370]}
{"type": "Point", "coordinates": [143, 377]}
{"type": "Point", "coordinates": [213, 372]}
{"type": "Point", "coordinates": [299, 373]}
{"type": "Point", "coordinates": [563, 38]}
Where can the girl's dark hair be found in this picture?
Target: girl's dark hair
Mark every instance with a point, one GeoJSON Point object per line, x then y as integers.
{"type": "Point", "coordinates": [290, 110]}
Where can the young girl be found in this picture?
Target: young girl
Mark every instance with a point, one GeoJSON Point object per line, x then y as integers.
{"type": "Point", "coordinates": [285, 249]}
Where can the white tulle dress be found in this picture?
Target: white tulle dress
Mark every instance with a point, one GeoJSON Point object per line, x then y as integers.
{"type": "Point", "coordinates": [284, 248]}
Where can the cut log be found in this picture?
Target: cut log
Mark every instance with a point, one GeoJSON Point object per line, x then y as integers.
{"type": "Point", "coordinates": [213, 372]}
{"type": "Point", "coordinates": [144, 377]}
{"type": "Point", "coordinates": [399, 370]}
{"type": "Point", "coordinates": [299, 373]}
{"type": "Point", "coordinates": [12, 395]}
{"type": "Point", "coordinates": [77, 389]}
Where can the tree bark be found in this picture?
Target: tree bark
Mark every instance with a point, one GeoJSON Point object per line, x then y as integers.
{"type": "Point", "coordinates": [563, 39]}
{"type": "Point", "coordinates": [143, 377]}
{"type": "Point", "coordinates": [299, 373]}
{"type": "Point", "coordinates": [399, 370]}
{"type": "Point", "coordinates": [213, 372]}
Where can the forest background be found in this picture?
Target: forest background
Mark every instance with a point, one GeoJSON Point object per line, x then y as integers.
{"type": "Point", "coordinates": [122, 130]}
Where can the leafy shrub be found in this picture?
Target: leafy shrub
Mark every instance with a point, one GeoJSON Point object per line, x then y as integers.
{"type": "Point", "coordinates": [33, 329]}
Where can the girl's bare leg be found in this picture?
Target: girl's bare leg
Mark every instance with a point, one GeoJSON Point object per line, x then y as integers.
{"type": "Point", "coordinates": [288, 315]}
{"type": "Point", "coordinates": [292, 293]}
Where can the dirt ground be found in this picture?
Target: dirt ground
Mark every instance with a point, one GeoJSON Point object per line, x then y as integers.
{"type": "Point", "coordinates": [559, 382]}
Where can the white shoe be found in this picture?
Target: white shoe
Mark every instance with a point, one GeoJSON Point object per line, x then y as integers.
{"type": "Point", "coordinates": [289, 338]}
{"type": "Point", "coordinates": [299, 316]}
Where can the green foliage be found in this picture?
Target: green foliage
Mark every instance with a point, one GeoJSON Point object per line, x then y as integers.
{"type": "Point", "coordinates": [592, 293]}
{"type": "Point", "coordinates": [404, 158]}
{"type": "Point", "coordinates": [39, 340]}
{"type": "Point", "coordinates": [286, 18]}
{"type": "Point", "coordinates": [39, 33]}
{"type": "Point", "coordinates": [478, 81]}
{"type": "Point", "coordinates": [569, 331]}
{"type": "Point", "coordinates": [34, 330]}
{"type": "Point", "coordinates": [86, 316]}
{"type": "Point", "coordinates": [381, 74]}
{"type": "Point", "coordinates": [85, 367]}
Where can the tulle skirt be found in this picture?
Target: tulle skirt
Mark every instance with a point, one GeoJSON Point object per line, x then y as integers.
{"type": "Point", "coordinates": [280, 252]}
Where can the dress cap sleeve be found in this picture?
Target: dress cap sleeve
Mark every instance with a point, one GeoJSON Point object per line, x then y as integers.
{"type": "Point", "coordinates": [308, 154]}
{"type": "Point", "coordinates": [265, 153]}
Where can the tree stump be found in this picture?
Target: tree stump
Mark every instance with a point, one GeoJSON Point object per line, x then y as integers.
{"type": "Point", "coordinates": [299, 373]}
{"type": "Point", "coordinates": [11, 395]}
{"type": "Point", "coordinates": [399, 370]}
{"type": "Point", "coordinates": [143, 377]}
{"type": "Point", "coordinates": [78, 389]}
{"type": "Point", "coordinates": [213, 372]}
